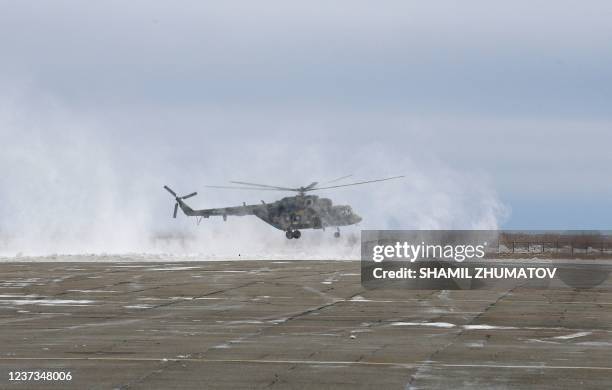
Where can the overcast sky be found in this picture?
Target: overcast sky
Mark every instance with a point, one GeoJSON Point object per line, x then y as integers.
{"type": "Point", "coordinates": [499, 111]}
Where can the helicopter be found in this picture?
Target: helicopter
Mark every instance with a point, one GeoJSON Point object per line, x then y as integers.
{"type": "Point", "coordinates": [289, 214]}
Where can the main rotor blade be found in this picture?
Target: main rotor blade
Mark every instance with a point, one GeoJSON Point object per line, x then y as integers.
{"type": "Point", "coordinates": [248, 188]}
{"type": "Point", "coordinates": [310, 186]}
{"type": "Point", "coordinates": [357, 183]}
{"type": "Point", "coordinates": [175, 210]}
{"type": "Point", "coordinates": [265, 186]}
{"type": "Point", "coordinates": [337, 179]}
{"type": "Point", "coordinates": [170, 191]}
{"type": "Point", "coordinates": [189, 196]}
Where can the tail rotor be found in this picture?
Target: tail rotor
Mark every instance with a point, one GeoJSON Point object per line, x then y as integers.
{"type": "Point", "coordinates": [178, 199]}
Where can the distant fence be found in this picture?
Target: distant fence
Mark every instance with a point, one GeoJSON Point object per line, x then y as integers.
{"type": "Point", "coordinates": [554, 247]}
{"type": "Point", "coordinates": [562, 244]}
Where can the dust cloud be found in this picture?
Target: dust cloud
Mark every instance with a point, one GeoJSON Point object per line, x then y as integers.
{"type": "Point", "coordinates": [90, 181]}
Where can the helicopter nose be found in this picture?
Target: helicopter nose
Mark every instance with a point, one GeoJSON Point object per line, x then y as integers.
{"type": "Point", "coordinates": [357, 218]}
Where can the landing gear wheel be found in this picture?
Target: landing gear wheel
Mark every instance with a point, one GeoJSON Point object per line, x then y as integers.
{"type": "Point", "coordinates": [289, 234]}
{"type": "Point", "coordinates": [297, 234]}
{"type": "Point", "coordinates": [337, 234]}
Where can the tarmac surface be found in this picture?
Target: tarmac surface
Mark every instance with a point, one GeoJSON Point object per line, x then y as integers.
{"type": "Point", "coordinates": [289, 324]}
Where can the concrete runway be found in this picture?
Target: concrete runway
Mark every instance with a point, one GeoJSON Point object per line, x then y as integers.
{"type": "Point", "coordinates": [294, 324]}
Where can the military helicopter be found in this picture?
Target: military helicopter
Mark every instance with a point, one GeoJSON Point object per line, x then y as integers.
{"type": "Point", "coordinates": [302, 211]}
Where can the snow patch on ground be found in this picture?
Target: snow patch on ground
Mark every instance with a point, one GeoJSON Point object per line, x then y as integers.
{"type": "Point", "coordinates": [47, 302]}
{"type": "Point", "coordinates": [138, 306]}
{"type": "Point", "coordinates": [572, 336]}
{"type": "Point", "coordinates": [433, 324]}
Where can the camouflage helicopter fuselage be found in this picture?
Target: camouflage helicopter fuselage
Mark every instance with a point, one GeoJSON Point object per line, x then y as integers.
{"type": "Point", "coordinates": [287, 214]}
{"type": "Point", "coordinates": [291, 213]}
